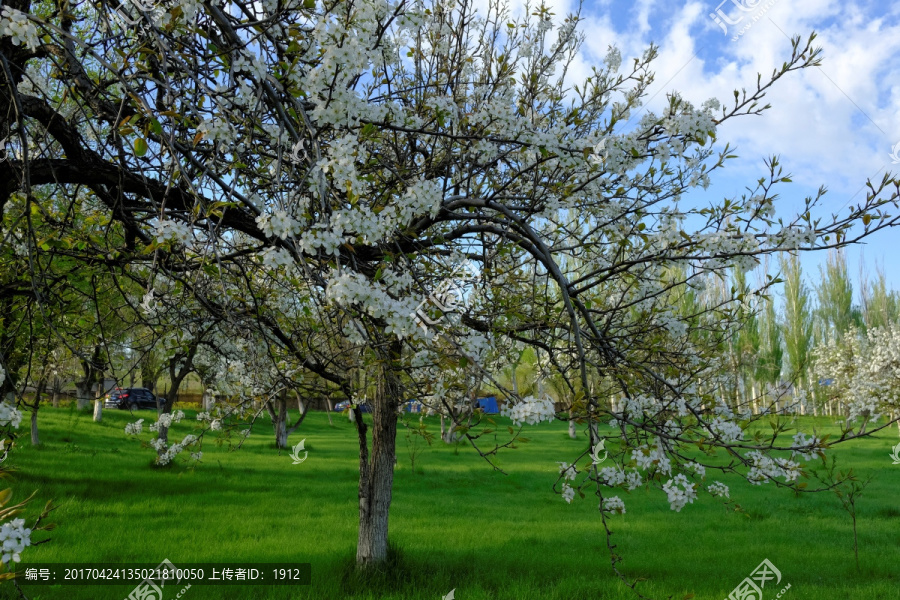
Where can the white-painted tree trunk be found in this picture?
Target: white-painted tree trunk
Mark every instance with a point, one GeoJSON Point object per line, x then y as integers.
{"type": "Point", "coordinates": [328, 409]}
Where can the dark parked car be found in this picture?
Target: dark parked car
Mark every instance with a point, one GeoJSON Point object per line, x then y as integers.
{"type": "Point", "coordinates": [131, 399]}
{"type": "Point", "coordinates": [342, 406]}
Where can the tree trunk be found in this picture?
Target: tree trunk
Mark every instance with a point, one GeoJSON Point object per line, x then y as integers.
{"type": "Point", "coordinates": [56, 391]}
{"type": "Point", "coordinates": [449, 435]}
{"type": "Point", "coordinates": [279, 420]}
{"type": "Point", "coordinates": [573, 432]}
{"type": "Point", "coordinates": [376, 473]}
{"type": "Point", "coordinates": [865, 422]}
{"type": "Point", "coordinates": [98, 405]}
{"type": "Point", "coordinates": [83, 393]}
{"type": "Point", "coordinates": [35, 440]}
{"type": "Point", "coordinates": [281, 433]}
{"type": "Point", "coordinates": [328, 409]}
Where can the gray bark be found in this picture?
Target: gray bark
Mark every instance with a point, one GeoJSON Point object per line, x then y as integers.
{"type": "Point", "coordinates": [281, 435]}
{"type": "Point", "coordinates": [376, 471]}
{"type": "Point", "coordinates": [277, 410]}
{"type": "Point", "coordinates": [35, 440]}
{"type": "Point", "coordinates": [83, 394]}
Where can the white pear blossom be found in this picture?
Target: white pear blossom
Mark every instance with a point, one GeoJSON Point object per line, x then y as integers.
{"type": "Point", "coordinates": [530, 410]}
{"type": "Point", "coordinates": [9, 415]}
{"type": "Point", "coordinates": [613, 505]}
{"type": "Point", "coordinates": [612, 476]}
{"type": "Point", "coordinates": [15, 24]}
{"type": "Point", "coordinates": [14, 538]}
{"type": "Point", "coordinates": [680, 492]}
{"type": "Point", "coordinates": [718, 489]}
{"type": "Point", "coordinates": [568, 493]}
{"type": "Point", "coordinates": [568, 471]}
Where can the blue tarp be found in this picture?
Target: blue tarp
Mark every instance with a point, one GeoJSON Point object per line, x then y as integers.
{"type": "Point", "coordinates": [488, 405]}
{"type": "Point", "coordinates": [412, 406]}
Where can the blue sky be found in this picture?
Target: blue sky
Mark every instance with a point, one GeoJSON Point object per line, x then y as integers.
{"type": "Point", "coordinates": [835, 125]}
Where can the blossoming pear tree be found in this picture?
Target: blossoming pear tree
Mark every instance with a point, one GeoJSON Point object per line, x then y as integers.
{"type": "Point", "coordinates": [416, 190]}
{"type": "Point", "coordinates": [863, 372]}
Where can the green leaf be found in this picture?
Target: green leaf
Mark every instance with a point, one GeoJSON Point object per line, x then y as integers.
{"type": "Point", "coordinates": [140, 147]}
{"type": "Point", "coordinates": [155, 127]}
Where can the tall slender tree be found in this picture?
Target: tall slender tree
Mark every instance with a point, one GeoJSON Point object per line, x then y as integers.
{"type": "Point", "coordinates": [798, 320]}
{"type": "Point", "coordinates": [834, 292]}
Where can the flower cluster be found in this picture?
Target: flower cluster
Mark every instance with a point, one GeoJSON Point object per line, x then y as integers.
{"type": "Point", "coordinates": [806, 446]}
{"type": "Point", "coordinates": [633, 480]}
{"type": "Point", "coordinates": [530, 410]}
{"type": "Point", "coordinates": [680, 492]}
{"type": "Point", "coordinates": [9, 414]}
{"type": "Point", "coordinates": [727, 431]}
{"type": "Point", "coordinates": [14, 537]}
{"type": "Point", "coordinates": [863, 371]}
{"type": "Point", "coordinates": [718, 489]}
{"type": "Point", "coordinates": [567, 471]}
{"type": "Point", "coordinates": [173, 231]}
{"type": "Point", "coordinates": [765, 468]}
{"type": "Point", "coordinates": [134, 428]}
{"type": "Point", "coordinates": [349, 289]}
{"type": "Point", "coordinates": [568, 493]}
{"type": "Point", "coordinates": [274, 258]}
{"type": "Point", "coordinates": [166, 455]}
{"type": "Point", "coordinates": [613, 505]}
{"type": "Point", "coordinates": [166, 420]}
{"type": "Point", "coordinates": [278, 224]}
{"type": "Point", "coordinates": [647, 457]}
{"type": "Point", "coordinates": [612, 476]}
{"type": "Point", "coordinates": [15, 24]}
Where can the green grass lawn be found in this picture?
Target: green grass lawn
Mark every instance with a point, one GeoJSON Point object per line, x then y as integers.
{"type": "Point", "coordinates": [455, 523]}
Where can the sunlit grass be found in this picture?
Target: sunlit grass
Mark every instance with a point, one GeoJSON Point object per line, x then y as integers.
{"type": "Point", "coordinates": [455, 522]}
